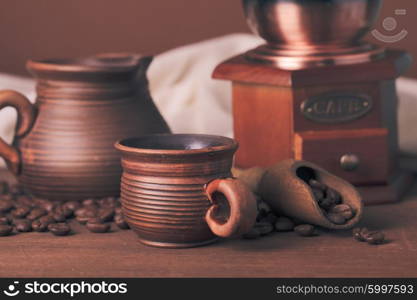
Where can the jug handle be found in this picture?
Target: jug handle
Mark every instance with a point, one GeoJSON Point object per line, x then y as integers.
{"type": "Point", "coordinates": [25, 118]}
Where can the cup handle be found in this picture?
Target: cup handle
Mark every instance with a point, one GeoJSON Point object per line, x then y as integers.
{"type": "Point", "coordinates": [25, 118]}
{"type": "Point", "coordinates": [242, 203]}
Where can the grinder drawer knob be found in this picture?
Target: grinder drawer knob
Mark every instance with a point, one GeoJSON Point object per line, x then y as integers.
{"type": "Point", "coordinates": [349, 162]}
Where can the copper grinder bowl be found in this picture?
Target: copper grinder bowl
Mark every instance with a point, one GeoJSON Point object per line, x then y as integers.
{"type": "Point", "coordinates": [297, 24]}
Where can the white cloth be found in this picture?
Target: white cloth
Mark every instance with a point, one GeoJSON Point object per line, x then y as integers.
{"type": "Point", "coordinates": [182, 87]}
{"type": "Point", "coordinates": [191, 101]}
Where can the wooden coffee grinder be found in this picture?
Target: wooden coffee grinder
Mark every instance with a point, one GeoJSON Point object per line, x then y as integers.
{"type": "Point", "coordinates": [316, 92]}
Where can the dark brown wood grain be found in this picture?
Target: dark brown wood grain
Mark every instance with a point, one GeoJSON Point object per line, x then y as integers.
{"type": "Point", "coordinates": [119, 254]}
{"type": "Point", "coordinates": [82, 108]}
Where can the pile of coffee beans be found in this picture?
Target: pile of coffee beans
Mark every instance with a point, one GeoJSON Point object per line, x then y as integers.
{"type": "Point", "coordinates": [331, 203]}
{"type": "Point", "coordinates": [19, 212]}
{"type": "Point", "coordinates": [371, 237]}
{"type": "Point", "coordinates": [268, 222]}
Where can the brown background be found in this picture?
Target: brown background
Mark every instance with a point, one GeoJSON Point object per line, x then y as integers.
{"type": "Point", "coordinates": [59, 28]}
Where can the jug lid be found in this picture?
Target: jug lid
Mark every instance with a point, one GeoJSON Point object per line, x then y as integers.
{"type": "Point", "coordinates": [101, 67]}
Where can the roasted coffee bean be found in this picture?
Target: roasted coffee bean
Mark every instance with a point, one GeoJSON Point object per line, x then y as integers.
{"type": "Point", "coordinates": [326, 203]}
{"type": "Point", "coordinates": [90, 212]}
{"type": "Point", "coordinates": [21, 212]}
{"type": "Point", "coordinates": [263, 209]}
{"type": "Point", "coordinates": [337, 219]}
{"type": "Point", "coordinates": [305, 230]}
{"type": "Point", "coordinates": [23, 225]}
{"type": "Point", "coordinates": [270, 218]}
{"type": "Point", "coordinates": [82, 220]}
{"type": "Point", "coordinates": [97, 226]}
{"type": "Point", "coordinates": [44, 204]}
{"type": "Point", "coordinates": [59, 229]}
{"type": "Point", "coordinates": [118, 211]}
{"type": "Point", "coordinates": [108, 202]}
{"type": "Point", "coordinates": [334, 196]}
{"type": "Point", "coordinates": [375, 238]}
{"type": "Point", "coordinates": [317, 184]}
{"type": "Point", "coordinates": [58, 216]}
{"type": "Point", "coordinates": [5, 230]}
{"type": "Point", "coordinates": [24, 200]}
{"type": "Point", "coordinates": [6, 205]}
{"type": "Point", "coordinates": [252, 234]}
{"type": "Point", "coordinates": [342, 209]}
{"type": "Point", "coordinates": [68, 213]}
{"type": "Point", "coordinates": [4, 220]}
{"type": "Point", "coordinates": [4, 188]}
{"type": "Point", "coordinates": [264, 228]}
{"type": "Point", "coordinates": [356, 233]}
{"type": "Point", "coordinates": [80, 211]}
{"type": "Point", "coordinates": [84, 214]}
{"type": "Point", "coordinates": [48, 219]}
{"type": "Point", "coordinates": [120, 221]}
{"type": "Point", "coordinates": [106, 214]}
{"type": "Point", "coordinates": [360, 234]}
{"type": "Point", "coordinates": [62, 209]}
{"type": "Point", "coordinates": [89, 202]}
{"type": "Point", "coordinates": [95, 220]}
{"type": "Point", "coordinates": [39, 226]}
{"type": "Point", "coordinates": [36, 213]}
{"type": "Point", "coordinates": [318, 194]}
{"type": "Point", "coordinates": [72, 205]}
{"type": "Point", "coordinates": [284, 224]}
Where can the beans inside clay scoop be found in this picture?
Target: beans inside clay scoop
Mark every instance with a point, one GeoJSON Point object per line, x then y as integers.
{"type": "Point", "coordinates": [331, 203]}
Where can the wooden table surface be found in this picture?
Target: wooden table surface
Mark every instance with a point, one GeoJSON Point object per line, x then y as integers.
{"type": "Point", "coordinates": [119, 254]}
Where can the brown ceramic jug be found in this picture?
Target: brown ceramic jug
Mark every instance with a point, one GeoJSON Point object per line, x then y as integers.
{"type": "Point", "coordinates": [63, 146]}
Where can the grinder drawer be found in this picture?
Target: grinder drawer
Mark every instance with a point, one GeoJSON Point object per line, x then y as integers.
{"type": "Point", "coordinates": [359, 156]}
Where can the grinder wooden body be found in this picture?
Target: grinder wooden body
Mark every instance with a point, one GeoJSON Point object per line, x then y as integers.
{"type": "Point", "coordinates": [341, 117]}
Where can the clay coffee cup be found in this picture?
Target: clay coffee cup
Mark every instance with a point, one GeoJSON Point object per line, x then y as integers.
{"type": "Point", "coordinates": [177, 190]}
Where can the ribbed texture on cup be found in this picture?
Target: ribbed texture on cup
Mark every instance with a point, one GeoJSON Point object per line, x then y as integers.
{"type": "Point", "coordinates": [163, 197]}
